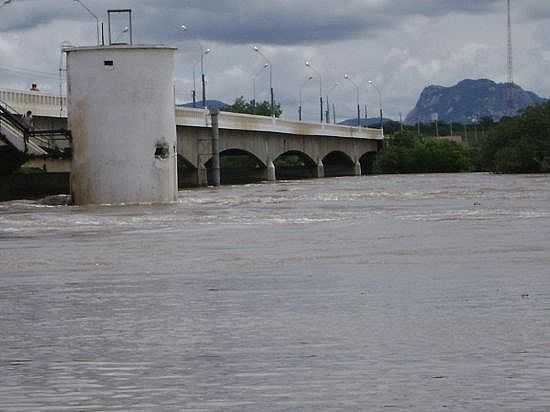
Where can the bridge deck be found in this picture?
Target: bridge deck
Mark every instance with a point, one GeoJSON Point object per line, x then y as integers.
{"type": "Point", "coordinates": [42, 104]}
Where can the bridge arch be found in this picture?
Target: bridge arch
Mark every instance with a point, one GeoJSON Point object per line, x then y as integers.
{"type": "Point", "coordinates": [238, 166]}
{"type": "Point", "coordinates": [367, 162]}
{"type": "Point", "coordinates": [338, 164]}
{"type": "Point", "coordinates": [294, 164]}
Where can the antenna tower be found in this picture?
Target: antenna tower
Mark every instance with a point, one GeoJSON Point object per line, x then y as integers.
{"type": "Point", "coordinates": [510, 67]}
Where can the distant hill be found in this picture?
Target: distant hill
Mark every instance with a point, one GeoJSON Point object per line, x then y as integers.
{"type": "Point", "coordinates": [469, 99]}
{"type": "Point", "coordinates": [211, 104]}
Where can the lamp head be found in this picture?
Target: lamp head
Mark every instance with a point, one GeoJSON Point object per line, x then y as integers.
{"type": "Point", "coordinates": [371, 82]}
{"type": "Point", "coordinates": [266, 66]}
{"type": "Point", "coordinates": [308, 63]}
{"type": "Point", "coordinates": [255, 48]}
{"type": "Point", "coordinates": [207, 51]}
{"type": "Point", "coordinates": [346, 76]}
{"type": "Point", "coordinates": [183, 27]}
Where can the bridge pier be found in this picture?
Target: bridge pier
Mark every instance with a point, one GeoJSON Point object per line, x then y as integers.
{"type": "Point", "coordinates": [320, 169]}
{"type": "Point", "coordinates": [271, 175]}
{"type": "Point", "coordinates": [202, 176]}
{"type": "Point", "coordinates": [357, 168]}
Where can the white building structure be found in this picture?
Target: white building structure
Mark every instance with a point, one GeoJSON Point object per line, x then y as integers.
{"type": "Point", "coordinates": [121, 115]}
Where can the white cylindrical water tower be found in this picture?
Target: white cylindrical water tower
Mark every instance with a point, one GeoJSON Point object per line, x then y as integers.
{"type": "Point", "coordinates": [122, 118]}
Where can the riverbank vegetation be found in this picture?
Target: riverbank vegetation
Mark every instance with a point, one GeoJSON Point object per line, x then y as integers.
{"type": "Point", "coordinates": [514, 145]}
{"type": "Point", "coordinates": [252, 107]}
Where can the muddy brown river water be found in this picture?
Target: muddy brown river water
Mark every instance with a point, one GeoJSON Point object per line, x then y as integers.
{"type": "Point", "coordinates": [384, 293]}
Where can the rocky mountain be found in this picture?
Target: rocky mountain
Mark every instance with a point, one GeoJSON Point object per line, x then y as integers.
{"type": "Point", "coordinates": [470, 99]}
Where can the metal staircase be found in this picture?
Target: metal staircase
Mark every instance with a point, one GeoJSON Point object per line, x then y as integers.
{"type": "Point", "coordinates": [18, 142]}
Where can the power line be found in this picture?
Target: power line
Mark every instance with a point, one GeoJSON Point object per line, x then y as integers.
{"type": "Point", "coordinates": [19, 70]}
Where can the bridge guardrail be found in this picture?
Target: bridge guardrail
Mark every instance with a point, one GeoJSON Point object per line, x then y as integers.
{"type": "Point", "coordinates": [39, 103]}
{"type": "Point", "coordinates": [237, 121]}
{"type": "Point", "coordinates": [42, 104]}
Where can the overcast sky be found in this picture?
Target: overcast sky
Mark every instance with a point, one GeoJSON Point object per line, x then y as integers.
{"type": "Point", "coordinates": [403, 45]}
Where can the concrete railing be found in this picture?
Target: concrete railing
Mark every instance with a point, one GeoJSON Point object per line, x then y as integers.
{"type": "Point", "coordinates": [42, 104]}
{"type": "Point", "coordinates": [236, 121]}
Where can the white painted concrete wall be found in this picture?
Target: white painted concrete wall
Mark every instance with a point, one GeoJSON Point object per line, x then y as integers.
{"type": "Point", "coordinates": [118, 115]}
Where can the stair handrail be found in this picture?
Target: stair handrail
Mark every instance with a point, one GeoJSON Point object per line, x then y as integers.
{"type": "Point", "coordinates": [7, 106]}
{"type": "Point", "coordinates": [6, 113]}
{"type": "Point", "coordinates": [13, 118]}
{"type": "Point", "coordinates": [13, 121]}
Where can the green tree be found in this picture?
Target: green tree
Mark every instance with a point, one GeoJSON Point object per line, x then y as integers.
{"type": "Point", "coordinates": [518, 145]}
{"type": "Point", "coordinates": [407, 153]}
{"type": "Point", "coordinates": [250, 107]}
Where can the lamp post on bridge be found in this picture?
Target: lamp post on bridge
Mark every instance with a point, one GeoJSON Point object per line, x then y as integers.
{"type": "Point", "coordinates": [301, 96]}
{"type": "Point", "coordinates": [254, 77]}
{"type": "Point", "coordinates": [257, 50]}
{"type": "Point", "coordinates": [194, 93]}
{"type": "Point", "coordinates": [204, 52]}
{"type": "Point", "coordinates": [373, 84]}
{"type": "Point", "coordinates": [308, 65]}
{"type": "Point", "coordinates": [357, 90]}
{"type": "Point", "coordinates": [328, 103]}
{"type": "Point", "coordinates": [83, 6]}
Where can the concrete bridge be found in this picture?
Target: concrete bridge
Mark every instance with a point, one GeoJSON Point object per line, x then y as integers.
{"type": "Point", "coordinates": [252, 148]}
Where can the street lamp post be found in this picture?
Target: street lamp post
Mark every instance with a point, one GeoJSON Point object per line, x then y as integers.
{"type": "Point", "coordinates": [194, 93]}
{"type": "Point", "coordinates": [204, 52]}
{"type": "Point", "coordinates": [308, 65]}
{"type": "Point", "coordinates": [254, 77]}
{"type": "Point", "coordinates": [327, 117]}
{"type": "Point", "coordinates": [301, 96]}
{"type": "Point", "coordinates": [373, 84]}
{"type": "Point", "coordinates": [348, 77]}
{"type": "Point", "coordinates": [87, 9]}
{"type": "Point", "coordinates": [257, 50]}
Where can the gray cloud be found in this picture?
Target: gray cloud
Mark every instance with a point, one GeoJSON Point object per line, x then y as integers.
{"type": "Point", "coordinates": [278, 22]}
{"type": "Point", "coordinates": [404, 45]}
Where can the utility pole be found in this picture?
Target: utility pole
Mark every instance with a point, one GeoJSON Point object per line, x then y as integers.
{"type": "Point", "coordinates": [435, 118]}
{"type": "Point", "coordinates": [327, 113]}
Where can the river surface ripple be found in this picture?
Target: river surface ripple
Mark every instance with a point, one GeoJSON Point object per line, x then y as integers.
{"type": "Point", "coordinates": [417, 293]}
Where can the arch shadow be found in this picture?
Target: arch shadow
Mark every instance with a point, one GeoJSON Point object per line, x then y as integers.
{"type": "Point", "coordinates": [367, 163]}
{"type": "Point", "coordinates": [187, 173]}
{"type": "Point", "coordinates": [293, 165]}
{"type": "Point", "coordinates": [238, 167]}
{"type": "Point", "coordinates": [338, 164]}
